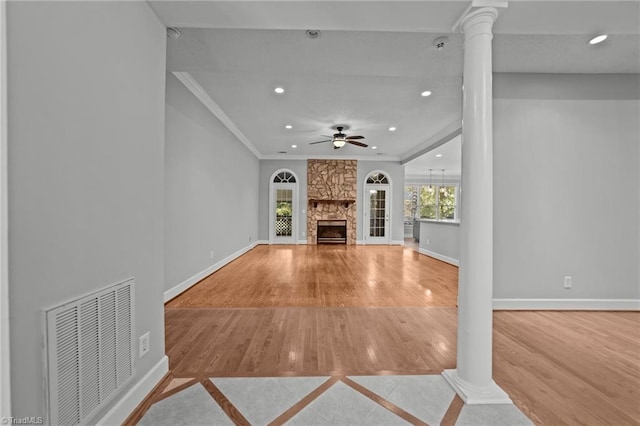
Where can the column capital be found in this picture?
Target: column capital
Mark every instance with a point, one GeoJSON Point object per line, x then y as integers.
{"type": "Point", "coordinates": [478, 9]}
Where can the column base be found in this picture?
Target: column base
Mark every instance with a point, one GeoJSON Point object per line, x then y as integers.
{"type": "Point", "coordinates": [471, 394]}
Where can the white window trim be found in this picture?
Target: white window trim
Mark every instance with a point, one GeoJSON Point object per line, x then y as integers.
{"type": "Point", "coordinates": [296, 190]}
{"type": "Point", "coordinates": [365, 204]}
{"type": "Point", "coordinates": [456, 215]}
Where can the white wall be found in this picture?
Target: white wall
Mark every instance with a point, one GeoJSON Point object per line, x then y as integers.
{"type": "Point", "coordinates": [211, 188]}
{"type": "Point", "coordinates": [86, 131]}
{"type": "Point", "coordinates": [440, 240]}
{"type": "Point", "coordinates": [395, 171]}
{"type": "Point", "coordinates": [566, 186]}
{"type": "Point", "coordinates": [5, 353]}
{"type": "Point", "coordinates": [267, 168]}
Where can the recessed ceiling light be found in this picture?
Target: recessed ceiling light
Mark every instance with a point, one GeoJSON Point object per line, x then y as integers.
{"type": "Point", "coordinates": [374, 147]}
{"type": "Point", "coordinates": [392, 129]}
{"type": "Point", "coordinates": [294, 146]}
{"type": "Point", "coordinates": [598, 39]}
{"type": "Point", "coordinates": [425, 93]}
{"type": "Point", "coordinates": [288, 126]}
{"type": "Point", "coordinates": [279, 90]}
{"type": "Point", "coordinates": [438, 155]}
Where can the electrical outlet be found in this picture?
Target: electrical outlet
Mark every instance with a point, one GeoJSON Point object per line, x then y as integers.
{"type": "Point", "coordinates": [143, 346]}
{"type": "Point", "coordinates": [304, 234]}
{"type": "Point", "coordinates": [249, 239]}
{"type": "Point", "coordinates": [211, 255]}
{"type": "Point", "coordinates": [568, 282]}
{"type": "Point", "coordinates": [427, 242]}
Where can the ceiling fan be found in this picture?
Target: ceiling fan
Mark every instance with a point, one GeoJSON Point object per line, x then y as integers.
{"type": "Point", "coordinates": [340, 139]}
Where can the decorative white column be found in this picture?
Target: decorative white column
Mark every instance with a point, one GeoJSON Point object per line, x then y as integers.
{"type": "Point", "coordinates": [472, 379]}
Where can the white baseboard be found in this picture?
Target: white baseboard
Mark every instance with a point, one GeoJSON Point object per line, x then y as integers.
{"type": "Point", "coordinates": [186, 284]}
{"type": "Point", "coordinates": [567, 304]}
{"type": "Point", "coordinates": [392, 243]}
{"type": "Point", "coordinates": [267, 242]}
{"type": "Point", "coordinates": [119, 413]}
{"type": "Point", "coordinates": [447, 259]}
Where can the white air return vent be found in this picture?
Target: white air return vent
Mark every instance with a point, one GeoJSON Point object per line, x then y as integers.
{"type": "Point", "coordinates": [89, 353]}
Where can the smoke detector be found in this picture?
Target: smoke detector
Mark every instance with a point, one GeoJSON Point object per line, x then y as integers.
{"type": "Point", "coordinates": [173, 33]}
{"type": "Point", "coordinates": [440, 43]}
{"type": "Point", "coordinates": [312, 34]}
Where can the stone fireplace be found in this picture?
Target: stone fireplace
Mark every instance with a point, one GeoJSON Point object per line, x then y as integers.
{"type": "Point", "coordinates": [332, 187]}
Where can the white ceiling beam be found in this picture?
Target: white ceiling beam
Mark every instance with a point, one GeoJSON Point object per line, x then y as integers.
{"type": "Point", "coordinates": [202, 95]}
{"type": "Point", "coordinates": [439, 139]}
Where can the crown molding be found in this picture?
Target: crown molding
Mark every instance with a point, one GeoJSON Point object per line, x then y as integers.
{"type": "Point", "coordinates": [331, 157]}
{"type": "Point", "coordinates": [473, 7]}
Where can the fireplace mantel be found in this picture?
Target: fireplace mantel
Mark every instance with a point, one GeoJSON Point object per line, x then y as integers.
{"type": "Point", "coordinates": [316, 201]}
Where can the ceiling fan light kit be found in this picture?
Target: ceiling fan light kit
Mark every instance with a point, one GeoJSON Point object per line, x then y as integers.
{"type": "Point", "coordinates": [340, 139]}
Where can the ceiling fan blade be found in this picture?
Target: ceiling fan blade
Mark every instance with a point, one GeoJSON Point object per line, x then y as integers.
{"type": "Point", "coordinates": [328, 140]}
{"type": "Point", "coordinates": [354, 137]}
{"type": "Point", "coordinates": [364, 145]}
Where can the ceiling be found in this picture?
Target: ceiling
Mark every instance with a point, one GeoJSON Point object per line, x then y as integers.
{"type": "Point", "coordinates": [370, 64]}
{"type": "Point", "coordinates": [445, 157]}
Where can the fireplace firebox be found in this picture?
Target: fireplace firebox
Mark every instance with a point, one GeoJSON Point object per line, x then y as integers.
{"type": "Point", "coordinates": [332, 232]}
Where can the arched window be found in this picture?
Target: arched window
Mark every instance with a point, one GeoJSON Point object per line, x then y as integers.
{"type": "Point", "coordinates": [284, 177]}
{"type": "Point", "coordinates": [378, 178]}
{"type": "Point", "coordinates": [283, 206]}
{"type": "Point", "coordinates": [377, 214]}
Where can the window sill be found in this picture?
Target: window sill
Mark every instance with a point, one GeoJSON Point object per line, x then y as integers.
{"type": "Point", "coordinates": [444, 222]}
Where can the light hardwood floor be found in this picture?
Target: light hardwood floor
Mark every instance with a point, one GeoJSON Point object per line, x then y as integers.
{"type": "Point", "coordinates": [570, 367]}
{"type": "Point", "coordinates": [337, 310]}
{"type": "Point", "coordinates": [326, 276]}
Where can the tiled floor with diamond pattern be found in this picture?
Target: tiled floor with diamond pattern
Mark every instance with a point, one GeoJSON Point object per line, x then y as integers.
{"type": "Point", "coordinates": [353, 400]}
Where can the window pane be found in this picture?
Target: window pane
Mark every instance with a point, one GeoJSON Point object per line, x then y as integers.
{"type": "Point", "coordinates": [428, 202]}
{"type": "Point", "coordinates": [410, 201]}
{"type": "Point", "coordinates": [377, 213]}
{"type": "Point", "coordinates": [284, 177]}
{"type": "Point", "coordinates": [284, 210]}
{"type": "Point", "coordinates": [447, 202]}
{"type": "Point", "coordinates": [378, 178]}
